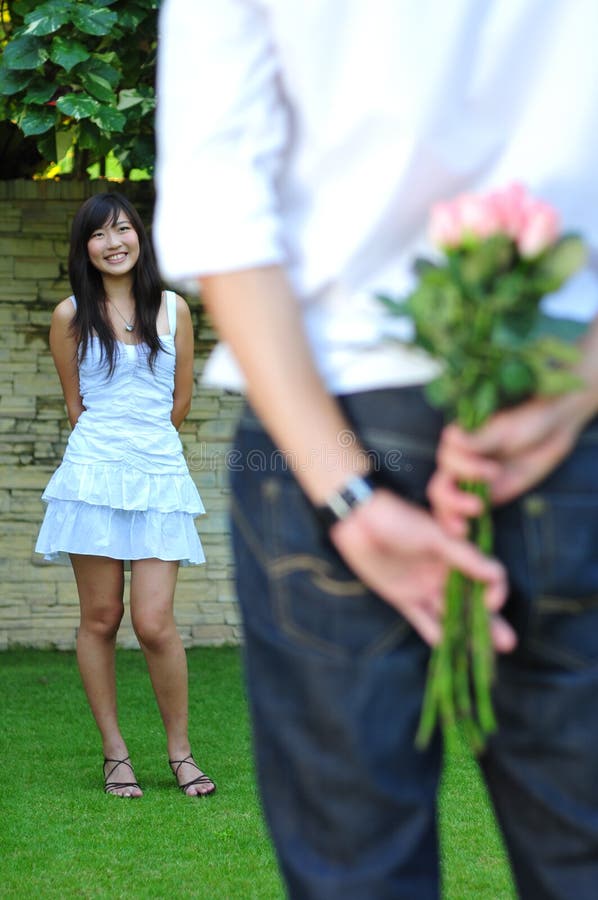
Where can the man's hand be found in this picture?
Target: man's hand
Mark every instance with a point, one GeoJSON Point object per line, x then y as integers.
{"type": "Point", "coordinates": [515, 450]}
{"type": "Point", "coordinates": [400, 552]}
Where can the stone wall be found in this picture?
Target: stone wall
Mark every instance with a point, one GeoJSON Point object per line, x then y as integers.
{"type": "Point", "coordinates": [38, 602]}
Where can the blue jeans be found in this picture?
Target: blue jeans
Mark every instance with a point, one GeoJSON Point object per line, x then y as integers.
{"type": "Point", "coordinates": [335, 677]}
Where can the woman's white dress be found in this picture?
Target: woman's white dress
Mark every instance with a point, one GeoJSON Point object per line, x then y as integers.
{"type": "Point", "coordinates": [123, 489]}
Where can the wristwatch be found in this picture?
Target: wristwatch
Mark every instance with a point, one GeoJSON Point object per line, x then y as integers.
{"type": "Point", "coordinates": [339, 505]}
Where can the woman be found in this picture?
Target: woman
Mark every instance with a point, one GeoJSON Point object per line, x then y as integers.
{"type": "Point", "coordinates": [123, 350]}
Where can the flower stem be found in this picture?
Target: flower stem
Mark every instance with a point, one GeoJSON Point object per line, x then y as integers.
{"type": "Point", "coordinates": [458, 687]}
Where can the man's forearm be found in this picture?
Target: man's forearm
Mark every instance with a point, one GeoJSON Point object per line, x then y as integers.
{"type": "Point", "coordinates": [255, 312]}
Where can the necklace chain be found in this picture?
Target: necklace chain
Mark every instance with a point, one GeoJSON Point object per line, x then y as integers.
{"type": "Point", "coordinates": [129, 326]}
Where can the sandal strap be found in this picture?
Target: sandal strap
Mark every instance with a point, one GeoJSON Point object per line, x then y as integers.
{"type": "Point", "coordinates": [179, 762]}
{"type": "Point", "coordinates": [111, 786]}
{"type": "Point", "coordinates": [201, 779]}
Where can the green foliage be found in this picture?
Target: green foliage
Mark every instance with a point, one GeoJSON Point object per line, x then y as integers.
{"type": "Point", "coordinates": [86, 69]}
{"type": "Point", "coordinates": [478, 312]}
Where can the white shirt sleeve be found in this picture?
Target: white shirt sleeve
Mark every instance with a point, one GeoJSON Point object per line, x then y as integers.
{"type": "Point", "coordinates": [221, 132]}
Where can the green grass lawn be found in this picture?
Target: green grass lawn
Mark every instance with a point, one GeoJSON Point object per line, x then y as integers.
{"type": "Point", "coordinates": [61, 837]}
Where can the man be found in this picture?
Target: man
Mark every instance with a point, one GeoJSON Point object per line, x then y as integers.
{"type": "Point", "coordinates": [300, 149]}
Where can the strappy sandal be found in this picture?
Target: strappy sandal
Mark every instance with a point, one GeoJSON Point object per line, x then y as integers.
{"type": "Point", "coordinates": [201, 779]}
{"type": "Point", "coordinates": [110, 787]}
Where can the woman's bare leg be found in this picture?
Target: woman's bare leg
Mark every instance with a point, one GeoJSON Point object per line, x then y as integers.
{"type": "Point", "coordinates": [100, 583]}
{"type": "Point", "coordinates": [153, 583]}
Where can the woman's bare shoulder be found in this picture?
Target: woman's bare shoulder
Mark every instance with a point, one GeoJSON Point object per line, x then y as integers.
{"type": "Point", "coordinates": [64, 312]}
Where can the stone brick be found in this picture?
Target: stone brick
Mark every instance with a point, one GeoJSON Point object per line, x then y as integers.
{"type": "Point", "coordinates": [216, 635]}
{"type": "Point", "coordinates": [13, 315]}
{"type": "Point", "coordinates": [32, 477]}
{"type": "Point", "coordinates": [67, 594]}
{"type": "Point", "coordinates": [30, 384]}
{"type": "Point", "coordinates": [26, 246]}
{"type": "Point", "coordinates": [18, 291]}
{"type": "Point", "coordinates": [36, 267]}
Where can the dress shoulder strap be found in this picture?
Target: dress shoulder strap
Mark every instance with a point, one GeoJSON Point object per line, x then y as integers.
{"type": "Point", "coordinates": [171, 310]}
{"type": "Point", "coordinates": [73, 300]}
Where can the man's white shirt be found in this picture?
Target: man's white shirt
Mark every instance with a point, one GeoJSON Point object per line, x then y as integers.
{"type": "Point", "coordinates": [317, 135]}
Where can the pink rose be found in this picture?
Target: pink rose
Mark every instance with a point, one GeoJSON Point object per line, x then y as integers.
{"type": "Point", "coordinates": [540, 229]}
{"type": "Point", "coordinates": [467, 217]}
{"type": "Point", "coordinates": [445, 226]}
{"type": "Point", "coordinates": [510, 206]}
{"type": "Point", "coordinates": [532, 224]}
{"type": "Point", "coordinates": [477, 215]}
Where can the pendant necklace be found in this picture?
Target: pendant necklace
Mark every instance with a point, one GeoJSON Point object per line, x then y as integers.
{"type": "Point", "coordinates": [129, 326]}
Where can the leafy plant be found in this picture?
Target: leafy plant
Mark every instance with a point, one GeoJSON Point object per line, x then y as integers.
{"type": "Point", "coordinates": [81, 74]}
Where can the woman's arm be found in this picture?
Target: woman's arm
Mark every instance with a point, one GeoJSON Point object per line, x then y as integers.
{"type": "Point", "coordinates": [64, 352]}
{"type": "Point", "coordinates": [183, 374]}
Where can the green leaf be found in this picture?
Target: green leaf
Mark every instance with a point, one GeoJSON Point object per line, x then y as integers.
{"type": "Point", "coordinates": [397, 307]}
{"type": "Point", "coordinates": [562, 260]}
{"type": "Point", "coordinates": [46, 144]}
{"type": "Point", "coordinates": [94, 20]}
{"type": "Point", "coordinates": [67, 52]}
{"type": "Point", "coordinates": [421, 266]}
{"type": "Point", "coordinates": [102, 67]}
{"type": "Point", "coordinates": [569, 330]}
{"type": "Point", "coordinates": [518, 322]}
{"type": "Point", "coordinates": [129, 97]}
{"type": "Point", "coordinates": [131, 17]}
{"type": "Point", "coordinates": [98, 87]}
{"type": "Point", "coordinates": [441, 393]}
{"type": "Point", "coordinates": [47, 18]}
{"type": "Point", "coordinates": [481, 405]}
{"type": "Point", "coordinates": [140, 155]}
{"type": "Point", "coordinates": [108, 119]}
{"type": "Point", "coordinates": [556, 350]}
{"type": "Point", "coordinates": [486, 260]}
{"type": "Point", "coordinates": [89, 135]}
{"type": "Point", "coordinates": [91, 138]}
{"type": "Point", "coordinates": [13, 82]}
{"type": "Point", "coordinates": [516, 378]}
{"type": "Point", "coordinates": [554, 381]}
{"type": "Point", "coordinates": [552, 360]}
{"type": "Point", "coordinates": [79, 106]}
{"type": "Point", "coordinates": [24, 52]}
{"type": "Point", "coordinates": [39, 91]}
{"type": "Point", "coordinates": [37, 120]}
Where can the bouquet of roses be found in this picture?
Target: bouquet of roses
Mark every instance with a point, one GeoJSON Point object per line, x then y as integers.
{"type": "Point", "coordinates": [476, 309]}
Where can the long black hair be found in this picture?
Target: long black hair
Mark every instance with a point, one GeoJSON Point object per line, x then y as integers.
{"type": "Point", "coordinates": [91, 316]}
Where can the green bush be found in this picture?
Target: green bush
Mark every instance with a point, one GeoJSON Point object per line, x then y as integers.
{"type": "Point", "coordinates": [81, 74]}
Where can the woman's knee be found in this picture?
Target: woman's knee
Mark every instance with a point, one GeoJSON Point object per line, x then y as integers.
{"type": "Point", "coordinates": [154, 631]}
{"type": "Point", "coordinates": [103, 621]}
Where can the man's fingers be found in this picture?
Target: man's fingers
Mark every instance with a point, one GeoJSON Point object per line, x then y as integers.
{"type": "Point", "coordinates": [464, 465]}
{"type": "Point", "coordinates": [465, 557]}
{"type": "Point", "coordinates": [426, 623]}
{"type": "Point", "coordinates": [504, 637]}
{"type": "Point", "coordinates": [452, 506]}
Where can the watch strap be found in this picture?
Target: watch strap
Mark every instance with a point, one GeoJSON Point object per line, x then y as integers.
{"type": "Point", "coordinates": [340, 504]}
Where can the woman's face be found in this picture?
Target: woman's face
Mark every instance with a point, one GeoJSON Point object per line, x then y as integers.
{"type": "Point", "coordinates": [114, 248]}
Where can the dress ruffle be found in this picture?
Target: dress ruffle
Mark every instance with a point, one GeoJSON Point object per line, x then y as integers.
{"type": "Point", "coordinates": [76, 527]}
{"type": "Point", "coordinates": [123, 487]}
